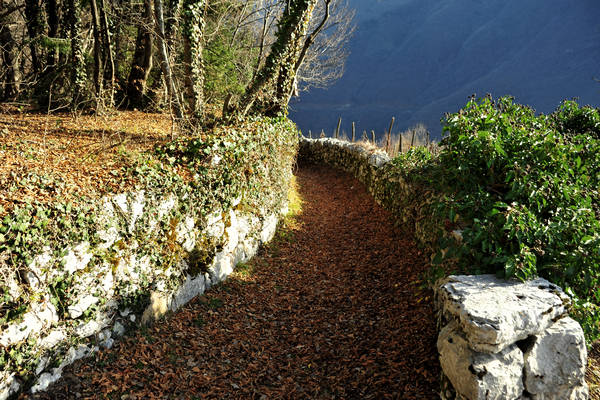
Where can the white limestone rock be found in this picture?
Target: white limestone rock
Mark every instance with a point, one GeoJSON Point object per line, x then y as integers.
{"type": "Point", "coordinates": [215, 230]}
{"type": "Point", "coordinates": [36, 272]}
{"type": "Point", "coordinates": [88, 329]}
{"type": "Point", "coordinates": [137, 204]}
{"type": "Point", "coordinates": [8, 385]}
{"type": "Point", "coordinates": [192, 287]}
{"type": "Point", "coordinates": [269, 228]}
{"type": "Point", "coordinates": [44, 361]}
{"type": "Point", "coordinates": [120, 200]}
{"type": "Point", "coordinates": [565, 393]}
{"type": "Point", "coordinates": [214, 217]}
{"type": "Point", "coordinates": [185, 233]}
{"type": "Point", "coordinates": [243, 226]}
{"type": "Point", "coordinates": [556, 362]}
{"type": "Point", "coordinates": [41, 316]}
{"type": "Point", "coordinates": [53, 338]}
{"type": "Point", "coordinates": [378, 159]}
{"type": "Point", "coordinates": [231, 233]}
{"type": "Point", "coordinates": [221, 267]}
{"type": "Point", "coordinates": [48, 378]}
{"type": "Point", "coordinates": [77, 258]}
{"type": "Point", "coordinates": [477, 375]}
{"type": "Point", "coordinates": [108, 237]}
{"type": "Point", "coordinates": [495, 313]}
{"type": "Point", "coordinates": [118, 329]}
{"type": "Point", "coordinates": [76, 310]}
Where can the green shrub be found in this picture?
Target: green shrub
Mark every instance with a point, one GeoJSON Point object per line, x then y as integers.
{"type": "Point", "coordinates": [523, 188]}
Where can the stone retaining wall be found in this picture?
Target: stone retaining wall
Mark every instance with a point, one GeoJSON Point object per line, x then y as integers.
{"type": "Point", "coordinates": [95, 317]}
{"type": "Point", "coordinates": [146, 252]}
{"type": "Point", "coordinates": [498, 339]}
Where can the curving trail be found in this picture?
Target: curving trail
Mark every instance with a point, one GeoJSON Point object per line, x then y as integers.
{"type": "Point", "coordinates": [330, 310]}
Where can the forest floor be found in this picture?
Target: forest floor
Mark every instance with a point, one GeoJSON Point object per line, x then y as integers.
{"type": "Point", "coordinates": [47, 156]}
{"type": "Point", "coordinates": [332, 308]}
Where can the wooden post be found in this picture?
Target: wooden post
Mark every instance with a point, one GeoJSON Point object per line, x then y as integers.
{"type": "Point", "coordinates": [412, 140]}
{"type": "Point", "coordinates": [309, 134]}
{"type": "Point", "coordinates": [389, 136]}
{"type": "Point", "coordinates": [373, 136]}
{"type": "Point", "coordinates": [337, 130]}
{"type": "Point", "coordinates": [322, 133]}
{"type": "Point", "coordinates": [353, 131]}
{"type": "Point", "coordinates": [365, 136]}
{"type": "Point", "coordinates": [400, 143]}
{"type": "Point", "coordinates": [428, 139]}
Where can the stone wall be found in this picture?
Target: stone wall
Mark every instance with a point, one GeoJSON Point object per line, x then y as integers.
{"type": "Point", "coordinates": [509, 340]}
{"type": "Point", "coordinates": [498, 339]}
{"type": "Point", "coordinates": [386, 183]}
{"type": "Point", "coordinates": [150, 252]}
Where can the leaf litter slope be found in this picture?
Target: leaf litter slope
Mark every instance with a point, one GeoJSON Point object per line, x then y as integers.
{"type": "Point", "coordinates": [331, 309]}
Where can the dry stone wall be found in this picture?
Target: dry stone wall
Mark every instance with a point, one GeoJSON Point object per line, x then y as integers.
{"type": "Point", "coordinates": [498, 339]}
{"type": "Point", "coordinates": [509, 340]}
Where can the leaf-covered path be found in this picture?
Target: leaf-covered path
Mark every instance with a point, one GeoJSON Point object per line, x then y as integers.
{"type": "Point", "coordinates": [332, 309]}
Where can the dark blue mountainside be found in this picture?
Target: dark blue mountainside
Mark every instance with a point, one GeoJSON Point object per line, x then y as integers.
{"type": "Point", "coordinates": [417, 59]}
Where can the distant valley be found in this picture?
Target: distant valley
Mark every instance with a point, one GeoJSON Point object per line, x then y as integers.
{"type": "Point", "coordinates": [417, 59]}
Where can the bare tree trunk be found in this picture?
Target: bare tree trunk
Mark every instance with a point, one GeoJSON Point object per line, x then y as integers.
{"type": "Point", "coordinates": [171, 22]}
{"type": "Point", "coordinates": [263, 37]}
{"type": "Point", "coordinates": [284, 52]}
{"type": "Point", "coordinates": [7, 55]}
{"type": "Point", "coordinates": [97, 44]}
{"type": "Point", "coordinates": [164, 62]}
{"type": "Point", "coordinates": [142, 61]}
{"type": "Point", "coordinates": [53, 24]}
{"type": "Point", "coordinates": [35, 27]}
{"type": "Point", "coordinates": [107, 52]}
{"type": "Point", "coordinates": [193, 34]}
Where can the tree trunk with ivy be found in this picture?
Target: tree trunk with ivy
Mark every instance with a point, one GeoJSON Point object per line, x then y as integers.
{"type": "Point", "coordinates": [193, 33]}
{"type": "Point", "coordinates": [142, 60]}
{"type": "Point", "coordinates": [78, 74]}
{"type": "Point", "coordinates": [279, 68]}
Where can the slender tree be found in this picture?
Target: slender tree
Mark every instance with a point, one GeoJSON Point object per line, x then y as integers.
{"type": "Point", "coordinates": [97, 51]}
{"type": "Point", "coordinates": [165, 61]}
{"type": "Point", "coordinates": [108, 61]}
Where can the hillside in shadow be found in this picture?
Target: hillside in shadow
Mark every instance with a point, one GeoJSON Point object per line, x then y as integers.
{"type": "Point", "coordinates": [417, 59]}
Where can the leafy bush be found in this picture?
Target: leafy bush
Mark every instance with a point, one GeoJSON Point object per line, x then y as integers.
{"type": "Point", "coordinates": [523, 188]}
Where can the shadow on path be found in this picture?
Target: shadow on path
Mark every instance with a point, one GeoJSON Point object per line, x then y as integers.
{"type": "Point", "coordinates": [331, 309]}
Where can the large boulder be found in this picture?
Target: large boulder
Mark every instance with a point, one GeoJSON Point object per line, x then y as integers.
{"type": "Point", "coordinates": [555, 363]}
{"type": "Point", "coordinates": [494, 313]}
{"type": "Point", "coordinates": [477, 375]}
